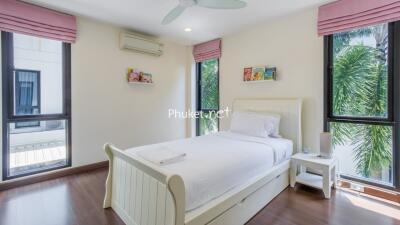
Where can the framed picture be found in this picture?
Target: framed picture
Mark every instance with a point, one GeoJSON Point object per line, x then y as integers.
{"type": "Point", "coordinates": [134, 75]}
{"type": "Point", "coordinates": [270, 73]}
{"type": "Point", "coordinates": [258, 73]}
{"type": "Point", "coordinates": [248, 74]}
{"type": "Point", "coordinates": [146, 78]}
{"type": "Point", "coordinates": [137, 76]}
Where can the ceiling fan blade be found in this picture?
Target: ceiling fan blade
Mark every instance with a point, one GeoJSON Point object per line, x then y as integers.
{"type": "Point", "coordinates": [222, 4]}
{"type": "Point", "coordinates": [173, 14]}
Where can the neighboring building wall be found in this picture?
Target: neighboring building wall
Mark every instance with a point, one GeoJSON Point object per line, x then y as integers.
{"type": "Point", "coordinates": [45, 56]}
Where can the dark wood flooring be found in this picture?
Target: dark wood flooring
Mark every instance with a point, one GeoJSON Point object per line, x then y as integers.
{"type": "Point", "coordinates": [77, 200]}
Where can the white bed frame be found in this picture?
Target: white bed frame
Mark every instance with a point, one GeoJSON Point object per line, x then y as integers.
{"type": "Point", "coordinates": [143, 195]}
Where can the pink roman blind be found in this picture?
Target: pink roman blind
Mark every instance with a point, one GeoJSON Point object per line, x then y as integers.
{"type": "Point", "coordinates": [207, 50]}
{"type": "Point", "coordinates": [25, 18]}
{"type": "Point", "coordinates": [345, 15]}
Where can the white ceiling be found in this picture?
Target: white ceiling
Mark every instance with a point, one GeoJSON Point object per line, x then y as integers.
{"type": "Point", "coordinates": [145, 16]}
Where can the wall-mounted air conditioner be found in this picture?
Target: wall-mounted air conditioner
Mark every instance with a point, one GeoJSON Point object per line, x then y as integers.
{"type": "Point", "coordinates": [140, 44]}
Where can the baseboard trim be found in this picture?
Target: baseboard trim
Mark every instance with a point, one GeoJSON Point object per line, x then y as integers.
{"type": "Point", "coordinates": [377, 192]}
{"type": "Point", "coordinates": [5, 185]}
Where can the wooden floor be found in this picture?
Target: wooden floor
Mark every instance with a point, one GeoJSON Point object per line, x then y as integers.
{"type": "Point", "coordinates": [77, 200]}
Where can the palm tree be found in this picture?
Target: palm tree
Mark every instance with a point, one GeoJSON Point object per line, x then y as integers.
{"type": "Point", "coordinates": [343, 39]}
{"type": "Point", "coordinates": [360, 89]}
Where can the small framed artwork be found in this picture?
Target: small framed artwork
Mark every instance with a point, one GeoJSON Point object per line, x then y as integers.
{"type": "Point", "coordinates": [248, 74]}
{"type": "Point", "coordinates": [270, 73]}
{"type": "Point", "coordinates": [147, 78]}
{"type": "Point", "coordinates": [137, 76]}
{"type": "Point", "coordinates": [254, 74]}
{"type": "Point", "coordinates": [134, 75]}
{"type": "Point", "coordinates": [258, 73]}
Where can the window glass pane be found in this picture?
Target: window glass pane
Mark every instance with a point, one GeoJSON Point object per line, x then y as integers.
{"type": "Point", "coordinates": [26, 91]}
{"type": "Point", "coordinates": [364, 151]}
{"type": "Point", "coordinates": [360, 74]}
{"type": "Point", "coordinates": [208, 123]}
{"type": "Point", "coordinates": [38, 80]}
{"type": "Point", "coordinates": [209, 85]}
{"type": "Point", "coordinates": [38, 145]}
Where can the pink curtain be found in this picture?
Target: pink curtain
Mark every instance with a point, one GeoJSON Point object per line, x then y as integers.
{"type": "Point", "coordinates": [21, 17]}
{"type": "Point", "coordinates": [207, 50]}
{"type": "Point", "coordinates": [345, 15]}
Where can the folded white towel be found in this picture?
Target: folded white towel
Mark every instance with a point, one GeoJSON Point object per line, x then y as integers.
{"type": "Point", "coordinates": [161, 155]}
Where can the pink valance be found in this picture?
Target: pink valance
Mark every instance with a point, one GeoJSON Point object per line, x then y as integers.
{"type": "Point", "coordinates": [344, 15]}
{"type": "Point", "coordinates": [25, 18]}
{"type": "Point", "coordinates": [207, 50]}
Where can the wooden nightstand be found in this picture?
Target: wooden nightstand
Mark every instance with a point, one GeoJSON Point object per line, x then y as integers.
{"type": "Point", "coordinates": [298, 172]}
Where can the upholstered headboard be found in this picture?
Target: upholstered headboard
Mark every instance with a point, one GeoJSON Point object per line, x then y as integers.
{"type": "Point", "coordinates": [289, 109]}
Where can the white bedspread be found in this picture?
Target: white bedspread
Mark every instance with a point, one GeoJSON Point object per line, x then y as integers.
{"type": "Point", "coordinates": [214, 164]}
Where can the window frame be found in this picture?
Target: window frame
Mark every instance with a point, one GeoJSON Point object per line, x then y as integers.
{"type": "Point", "coordinates": [198, 97]}
{"type": "Point", "coordinates": [393, 118]}
{"type": "Point", "coordinates": [7, 53]}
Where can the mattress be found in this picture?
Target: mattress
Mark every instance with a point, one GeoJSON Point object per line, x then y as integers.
{"type": "Point", "coordinates": [217, 163]}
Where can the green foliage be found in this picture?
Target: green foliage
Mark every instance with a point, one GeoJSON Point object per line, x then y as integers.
{"type": "Point", "coordinates": [343, 39]}
{"type": "Point", "coordinates": [360, 89]}
{"type": "Point", "coordinates": [208, 124]}
{"type": "Point", "coordinates": [209, 95]}
{"type": "Point", "coordinates": [209, 84]}
{"type": "Point", "coordinates": [353, 80]}
{"type": "Point", "coordinates": [372, 148]}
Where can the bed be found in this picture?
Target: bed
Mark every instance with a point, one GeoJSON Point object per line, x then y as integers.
{"type": "Point", "coordinates": [228, 191]}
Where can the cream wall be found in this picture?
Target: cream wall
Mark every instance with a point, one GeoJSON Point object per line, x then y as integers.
{"type": "Point", "coordinates": [292, 45]}
{"type": "Point", "coordinates": [105, 108]}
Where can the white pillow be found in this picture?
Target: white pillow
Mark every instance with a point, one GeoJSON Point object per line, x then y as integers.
{"type": "Point", "coordinates": [253, 124]}
{"type": "Point", "coordinates": [275, 119]}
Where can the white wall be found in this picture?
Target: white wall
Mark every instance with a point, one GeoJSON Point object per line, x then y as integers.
{"type": "Point", "coordinates": [105, 108]}
{"type": "Point", "coordinates": [292, 45]}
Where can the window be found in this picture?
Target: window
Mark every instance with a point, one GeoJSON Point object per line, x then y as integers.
{"type": "Point", "coordinates": [27, 97]}
{"type": "Point", "coordinates": [207, 96]}
{"type": "Point", "coordinates": [361, 108]}
{"type": "Point", "coordinates": [36, 105]}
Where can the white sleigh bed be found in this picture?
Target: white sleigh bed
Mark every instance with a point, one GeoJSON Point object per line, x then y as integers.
{"type": "Point", "coordinates": [143, 194]}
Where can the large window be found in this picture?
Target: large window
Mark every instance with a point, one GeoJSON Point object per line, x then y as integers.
{"type": "Point", "coordinates": [36, 105]}
{"type": "Point", "coordinates": [361, 104]}
{"type": "Point", "coordinates": [207, 96]}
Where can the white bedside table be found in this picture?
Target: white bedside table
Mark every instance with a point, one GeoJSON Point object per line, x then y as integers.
{"type": "Point", "coordinates": [326, 166]}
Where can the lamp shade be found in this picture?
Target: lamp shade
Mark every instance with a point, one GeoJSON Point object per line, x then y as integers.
{"type": "Point", "coordinates": [325, 143]}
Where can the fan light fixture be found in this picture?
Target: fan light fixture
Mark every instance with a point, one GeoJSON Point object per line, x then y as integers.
{"type": "Point", "coordinates": [213, 4]}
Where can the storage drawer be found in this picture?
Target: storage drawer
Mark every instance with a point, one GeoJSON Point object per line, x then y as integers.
{"type": "Point", "coordinates": [249, 206]}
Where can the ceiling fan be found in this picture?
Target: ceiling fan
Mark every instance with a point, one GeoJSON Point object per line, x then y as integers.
{"type": "Point", "coordinates": [213, 4]}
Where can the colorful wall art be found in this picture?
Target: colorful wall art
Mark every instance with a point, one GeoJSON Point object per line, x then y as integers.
{"type": "Point", "coordinates": [137, 76]}
{"type": "Point", "coordinates": [253, 74]}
